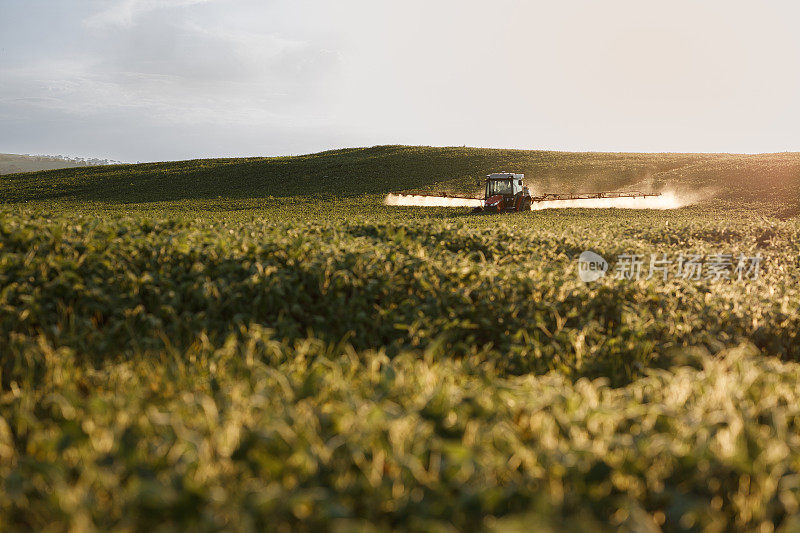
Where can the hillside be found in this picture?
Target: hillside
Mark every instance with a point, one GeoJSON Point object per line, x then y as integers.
{"type": "Point", "coordinates": [16, 163]}
{"type": "Point", "coordinates": [352, 172]}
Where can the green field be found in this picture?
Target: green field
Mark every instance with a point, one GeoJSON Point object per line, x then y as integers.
{"type": "Point", "coordinates": [260, 344]}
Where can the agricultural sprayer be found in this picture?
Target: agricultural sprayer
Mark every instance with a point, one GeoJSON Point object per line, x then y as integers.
{"type": "Point", "coordinates": [506, 192]}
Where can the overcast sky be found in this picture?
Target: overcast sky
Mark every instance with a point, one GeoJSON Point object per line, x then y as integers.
{"type": "Point", "coordinates": [145, 80]}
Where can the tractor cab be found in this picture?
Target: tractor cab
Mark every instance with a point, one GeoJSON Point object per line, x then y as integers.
{"type": "Point", "coordinates": [504, 184]}
{"type": "Point", "coordinates": [505, 192]}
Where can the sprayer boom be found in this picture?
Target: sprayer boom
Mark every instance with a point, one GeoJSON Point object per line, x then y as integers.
{"type": "Point", "coordinates": [547, 197]}
{"type": "Point", "coordinates": [448, 195]}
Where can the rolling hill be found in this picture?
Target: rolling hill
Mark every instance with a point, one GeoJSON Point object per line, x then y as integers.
{"type": "Point", "coordinates": [773, 178]}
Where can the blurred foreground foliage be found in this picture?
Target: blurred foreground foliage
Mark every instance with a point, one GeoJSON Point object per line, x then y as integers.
{"type": "Point", "coordinates": [260, 434]}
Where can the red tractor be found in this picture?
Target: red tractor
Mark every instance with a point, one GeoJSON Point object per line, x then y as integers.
{"type": "Point", "coordinates": [505, 193]}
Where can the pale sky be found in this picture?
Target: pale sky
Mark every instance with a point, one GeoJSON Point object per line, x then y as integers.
{"type": "Point", "coordinates": [146, 80]}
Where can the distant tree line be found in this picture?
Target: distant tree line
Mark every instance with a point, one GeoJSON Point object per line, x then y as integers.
{"type": "Point", "coordinates": [78, 161]}
{"type": "Point", "coordinates": [13, 163]}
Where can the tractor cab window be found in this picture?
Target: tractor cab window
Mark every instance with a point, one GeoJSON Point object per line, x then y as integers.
{"type": "Point", "coordinates": [503, 187]}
